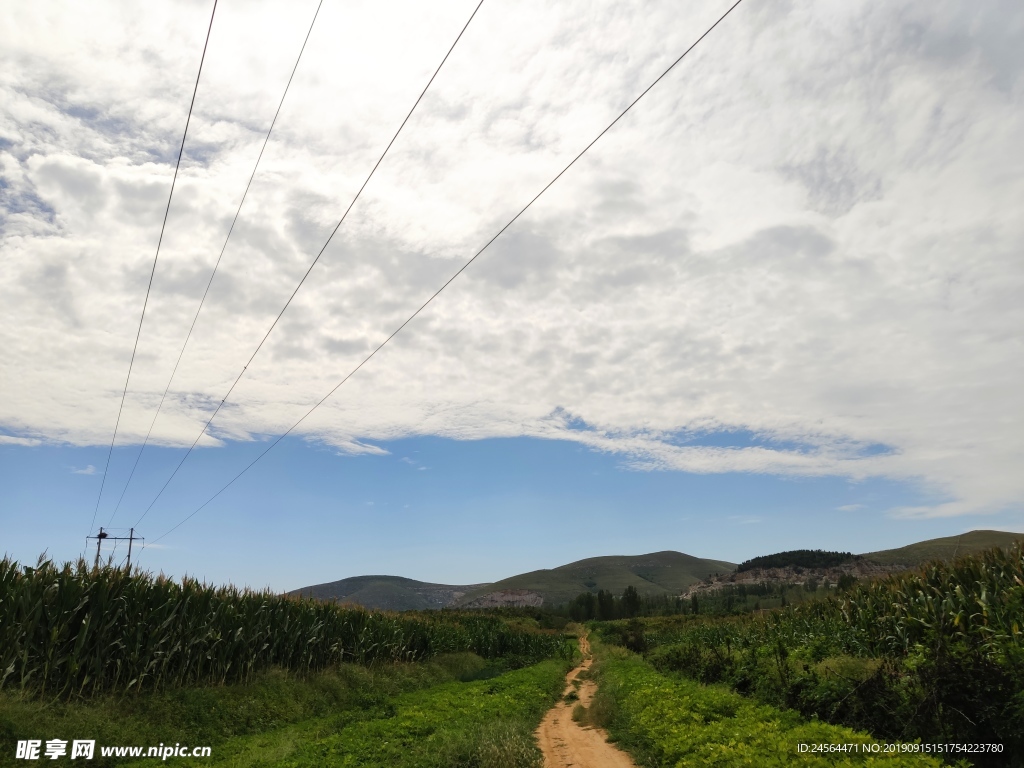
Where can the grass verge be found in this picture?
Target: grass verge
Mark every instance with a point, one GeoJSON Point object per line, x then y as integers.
{"type": "Point", "coordinates": [275, 703]}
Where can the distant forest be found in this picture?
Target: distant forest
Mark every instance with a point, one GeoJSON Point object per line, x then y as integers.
{"type": "Point", "coordinates": [798, 558]}
{"type": "Point", "coordinates": [729, 599]}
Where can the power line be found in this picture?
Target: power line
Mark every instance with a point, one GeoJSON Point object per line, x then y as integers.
{"type": "Point", "coordinates": [313, 264]}
{"type": "Point", "coordinates": [152, 272]}
{"type": "Point", "coordinates": [452, 278]}
{"type": "Point", "coordinates": [216, 265]}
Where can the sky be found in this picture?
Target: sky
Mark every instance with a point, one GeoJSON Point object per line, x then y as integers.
{"type": "Point", "coordinates": [777, 305]}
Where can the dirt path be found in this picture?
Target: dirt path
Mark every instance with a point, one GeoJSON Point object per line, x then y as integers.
{"type": "Point", "coordinates": [565, 743]}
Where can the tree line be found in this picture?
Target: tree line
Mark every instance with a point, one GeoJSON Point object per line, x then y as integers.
{"type": "Point", "coordinates": [798, 558]}
{"type": "Point", "coordinates": [729, 599]}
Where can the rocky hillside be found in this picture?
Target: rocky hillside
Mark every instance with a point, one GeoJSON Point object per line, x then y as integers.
{"type": "Point", "coordinates": [858, 569]}
{"type": "Point", "coordinates": [506, 598]}
{"type": "Point", "coordinates": [870, 565]}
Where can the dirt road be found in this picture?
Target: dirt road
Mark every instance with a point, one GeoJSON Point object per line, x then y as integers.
{"type": "Point", "coordinates": [565, 743]}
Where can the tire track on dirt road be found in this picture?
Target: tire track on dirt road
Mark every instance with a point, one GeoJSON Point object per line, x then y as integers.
{"type": "Point", "coordinates": [565, 742]}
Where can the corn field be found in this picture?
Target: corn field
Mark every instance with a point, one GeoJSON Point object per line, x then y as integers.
{"type": "Point", "coordinates": [936, 654]}
{"type": "Point", "coordinates": [78, 631]}
{"type": "Point", "coordinates": [975, 602]}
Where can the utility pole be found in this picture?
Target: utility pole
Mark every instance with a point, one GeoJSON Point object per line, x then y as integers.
{"type": "Point", "coordinates": [99, 540]}
{"type": "Point", "coordinates": [131, 537]}
{"type": "Point", "coordinates": [102, 535]}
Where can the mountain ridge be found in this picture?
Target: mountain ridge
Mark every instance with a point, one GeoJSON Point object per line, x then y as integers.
{"type": "Point", "coordinates": [390, 593]}
{"type": "Point", "coordinates": [655, 573]}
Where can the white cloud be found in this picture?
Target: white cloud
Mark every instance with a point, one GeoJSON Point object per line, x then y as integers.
{"type": "Point", "coordinates": [803, 232]}
{"type": "Point", "coordinates": [89, 470]}
{"type": "Point", "coordinates": [12, 440]}
{"type": "Point", "coordinates": [850, 507]}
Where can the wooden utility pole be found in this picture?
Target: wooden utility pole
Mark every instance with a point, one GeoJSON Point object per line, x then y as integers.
{"type": "Point", "coordinates": [131, 537]}
{"type": "Point", "coordinates": [99, 540]}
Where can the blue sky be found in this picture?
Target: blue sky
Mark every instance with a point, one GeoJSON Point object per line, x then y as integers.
{"type": "Point", "coordinates": [443, 510]}
{"type": "Point", "coordinates": [780, 298]}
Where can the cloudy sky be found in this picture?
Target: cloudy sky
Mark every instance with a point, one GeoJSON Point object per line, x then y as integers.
{"type": "Point", "coordinates": [777, 305]}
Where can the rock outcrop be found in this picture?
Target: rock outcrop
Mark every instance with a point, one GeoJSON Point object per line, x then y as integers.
{"type": "Point", "coordinates": [506, 598]}
{"type": "Point", "coordinates": [859, 569]}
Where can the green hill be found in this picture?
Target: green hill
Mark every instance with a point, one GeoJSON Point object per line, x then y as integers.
{"type": "Point", "coordinates": [943, 549]}
{"type": "Point", "coordinates": [389, 593]}
{"type": "Point", "coordinates": [656, 574]}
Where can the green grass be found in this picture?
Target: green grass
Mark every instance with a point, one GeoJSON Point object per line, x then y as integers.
{"type": "Point", "coordinates": [211, 715]}
{"type": "Point", "coordinates": [485, 723]}
{"type": "Point", "coordinates": [668, 720]}
{"type": "Point", "coordinates": [456, 710]}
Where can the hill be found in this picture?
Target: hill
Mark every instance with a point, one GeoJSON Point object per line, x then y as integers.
{"type": "Point", "coordinates": [658, 573]}
{"type": "Point", "coordinates": [943, 549]}
{"type": "Point", "coordinates": [390, 593]}
{"type": "Point", "coordinates": [802, 558]}
{"type": "Point", "coordinates": [799, 567]}
{"type": "Point", "coordinates": [655, 574]}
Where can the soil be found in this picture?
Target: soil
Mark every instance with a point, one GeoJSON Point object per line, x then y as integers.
{"type": "Point", "coordinates": [565, 742]}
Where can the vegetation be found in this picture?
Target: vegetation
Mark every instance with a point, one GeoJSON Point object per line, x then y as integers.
{"type": "Point", "coordinates": [388, 593]}
{"type": "Point", "coordinates": [433, 713]}
{"type": "Point", "coordinates": [726, 600]}
{"type": "Point", "coordinates": [947, 548]}
{"type": "Point", "coordinates": [480, 724]}
{"type": "Point", "coordinates": [210, 714]}
{"type": "Point", "coordinates": [936, 655]}
{"type": "Point", "coordinates": [672, 721]}
{"type": "Point", "coordinates": [74, 631]}
{"type": "Point", "coordinates": [659, 573]}
{"type": "Point", "coordinates": [798, 558]}
{"type": "Point", "coordinates": [521, 616]}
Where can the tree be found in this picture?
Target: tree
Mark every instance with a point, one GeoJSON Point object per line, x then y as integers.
{"type": "Point", "coordinates": [583, 607]}
{"type": "Point", "coordinates": [605, 606]}
{"type": "Point", "coordinates": [630, 602]}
